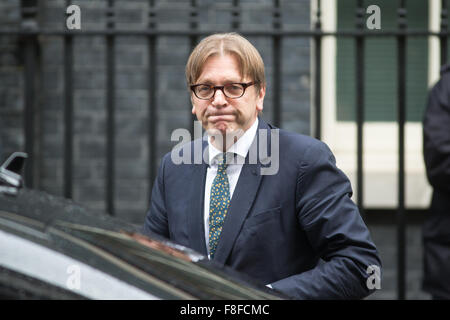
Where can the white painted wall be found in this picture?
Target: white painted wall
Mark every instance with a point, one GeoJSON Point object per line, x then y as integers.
{"type": "Point", "coordinates": [380, 160]}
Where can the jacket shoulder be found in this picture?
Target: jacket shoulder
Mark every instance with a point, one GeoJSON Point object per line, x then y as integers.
{"type": "Point", "coordinates": [304, 148]}
{"type": "Point", "coordinates": [192, 152]}
{"type": "Point", "coordinates": [445, 69]}
{"type": "Point", "coordinates": [298, 140]}
{"type": "Point", "coordinates": [444, 80]}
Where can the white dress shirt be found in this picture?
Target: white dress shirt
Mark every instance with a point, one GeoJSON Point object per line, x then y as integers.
{"type": "Point", "coordinates": [240, 149]}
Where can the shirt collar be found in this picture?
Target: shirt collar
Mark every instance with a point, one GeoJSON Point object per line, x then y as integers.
{"type": "Point", "coordinates": [241, 146]}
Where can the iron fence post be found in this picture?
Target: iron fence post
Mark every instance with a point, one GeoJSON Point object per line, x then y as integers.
{"type": "Point", "coordinates": [110, 110]}
{"type": "Point", "coordinates": [68, 113]}
{"type": "Point", "coordinates": [152, 87]}
{"type": "Point", "coordinates": [318, 75]}
{"type": "Point", "coordinates": [444, 30]}
{"type": "Point", "coordinates": [401, 112]}
{"type": "Point", "coordinates": [29, 11]}
{"type": "Point", "coordinates": [360, 19]}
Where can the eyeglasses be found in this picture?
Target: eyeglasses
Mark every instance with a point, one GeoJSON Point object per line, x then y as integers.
{"type": "Point", "coordinates": [230, 90]}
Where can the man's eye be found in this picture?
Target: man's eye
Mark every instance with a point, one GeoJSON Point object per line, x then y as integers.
{"type": "Point", "coordinates": [204, 88]}
{"type": "Point", "coordinates": [235, 88]}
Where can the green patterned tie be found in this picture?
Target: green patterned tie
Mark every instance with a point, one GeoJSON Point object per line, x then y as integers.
{"type": "Point", "coordinates": [218, 204]}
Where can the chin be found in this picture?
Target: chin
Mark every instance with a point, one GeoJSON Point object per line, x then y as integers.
{"type": "Point", "coordinates": [222, 128]}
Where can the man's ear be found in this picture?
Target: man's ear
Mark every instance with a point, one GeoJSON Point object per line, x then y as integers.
{"type": "Point", "coordinates": [193, 106]}
{"type": "Point", "coordinates": [260, 99]}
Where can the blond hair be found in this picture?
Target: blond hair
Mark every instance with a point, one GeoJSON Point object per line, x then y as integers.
{"type": "Point", "coordinates": [250, 62]}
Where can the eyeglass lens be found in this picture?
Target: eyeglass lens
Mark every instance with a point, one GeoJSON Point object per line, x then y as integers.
{"type": "Point", "coordinates": [232, 90]}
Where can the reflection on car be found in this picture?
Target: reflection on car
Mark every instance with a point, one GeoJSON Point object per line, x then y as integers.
{"type": "Point", "coordinates": [54, 248]}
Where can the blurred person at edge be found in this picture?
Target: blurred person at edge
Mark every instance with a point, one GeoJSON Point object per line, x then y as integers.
{"type": "Point", "coordinates": [296, 230]}
{"type": "Point", "coordinates": [436, 149]}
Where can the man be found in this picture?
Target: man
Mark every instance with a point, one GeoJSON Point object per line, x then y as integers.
{"type": "Point", "coordinates": [294, 227]}
{"type": "Point", "coordinates": [436, 148]}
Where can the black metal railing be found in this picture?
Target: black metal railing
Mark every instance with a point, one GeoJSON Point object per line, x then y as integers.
{"type": "Point", "coordinates": [401, 111]}
{"type": "Point", "coordinates": [30, 31]}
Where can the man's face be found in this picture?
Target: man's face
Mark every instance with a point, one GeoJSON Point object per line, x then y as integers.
{"type": "Point", "coordinates": [222, 114]}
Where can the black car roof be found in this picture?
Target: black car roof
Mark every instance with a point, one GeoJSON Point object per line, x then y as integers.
{"type": "Point", "coordinates": [108, 243]}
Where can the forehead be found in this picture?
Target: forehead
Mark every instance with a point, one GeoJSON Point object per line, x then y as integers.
{"type": "Point", "coordinates": [219, 68]}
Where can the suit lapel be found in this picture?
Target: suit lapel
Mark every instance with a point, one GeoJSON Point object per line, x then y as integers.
{"type": "Point", "coordinates": [196, 224]}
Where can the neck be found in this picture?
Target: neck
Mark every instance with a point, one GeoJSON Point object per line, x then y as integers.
{"type": "Point", "coordinates": [223, 142]}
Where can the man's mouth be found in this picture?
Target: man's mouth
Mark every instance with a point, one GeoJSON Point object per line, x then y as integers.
{"type": "Point", "coordinates": [220, 118]}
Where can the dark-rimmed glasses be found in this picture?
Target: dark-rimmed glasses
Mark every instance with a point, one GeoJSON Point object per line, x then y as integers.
{"type": "Point", "coordinates": [230, 90]}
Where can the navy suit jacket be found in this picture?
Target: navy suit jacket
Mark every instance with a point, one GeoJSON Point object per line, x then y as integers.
{"type": "Point", "coordinates": [436, 149]}
{"type": "Point", "coordinates": [297, 230]}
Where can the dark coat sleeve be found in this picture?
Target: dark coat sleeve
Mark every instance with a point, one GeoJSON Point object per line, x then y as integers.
{"type": "Point", "coordinates": [156, 220]}
{"type": "Point", "coordinates": [337, 233]}
{"type": "Point", "coordinates": [436, 135]}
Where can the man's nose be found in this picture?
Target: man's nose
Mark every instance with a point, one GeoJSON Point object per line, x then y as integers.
{"type": "Point", "coordinates": [219, 99]}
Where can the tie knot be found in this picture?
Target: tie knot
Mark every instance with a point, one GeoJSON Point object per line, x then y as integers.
{"type": "Point", "coordinates": [222, 162]}
{"type": "Point", "coordinates": [224, 159]}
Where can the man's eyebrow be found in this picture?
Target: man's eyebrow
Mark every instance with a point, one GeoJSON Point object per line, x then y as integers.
{"type": "Point", "coordinates": [208, 81]}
